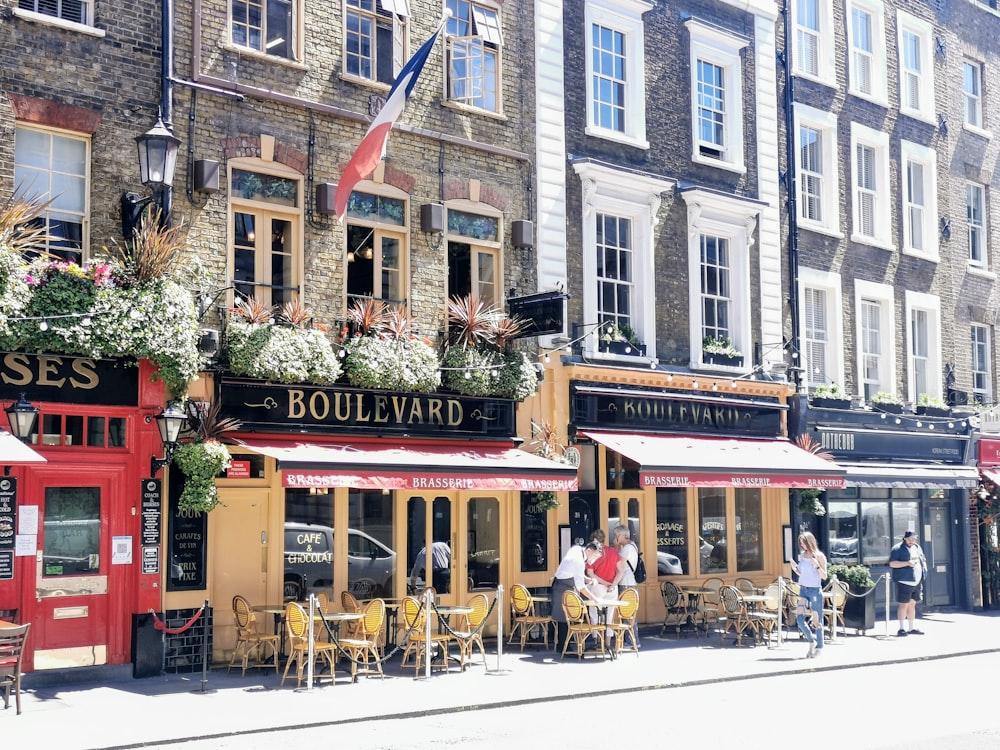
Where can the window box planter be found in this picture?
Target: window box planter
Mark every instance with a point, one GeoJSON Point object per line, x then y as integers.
{"type": "Point", "coordinates": [824, 402]}
{"type": "Point", "coordinates": [723, 360]}
{"type": "Point", "coordinates": [623, 348]}
{"type": "Point", "coordinates": [932, 411]}
{"type": "Point", "coordinates": [887, 407]}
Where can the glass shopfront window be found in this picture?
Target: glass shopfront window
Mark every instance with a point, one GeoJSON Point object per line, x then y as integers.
{"type": "Point", "coordinates": [865, 523]}
{"type": "Point", "coordinates": [672, 548]}
{"type": "Point", "coordinates": [484, 543]}
{"type": "Point", "coordinates": [749, 531]}
{"type": "Point", "coordinates": [534, 534]}
{"type": "Point", "coordinates": [713, 526]}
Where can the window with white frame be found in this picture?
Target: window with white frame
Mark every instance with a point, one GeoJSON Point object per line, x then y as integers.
{"type": "Point", "coordinates": [374, 39]}
{"type": "Point", "coordinates": [266, 228]}
{"type": "Point", "coordinates": [972, 93]}
{"type": "Point", "coordinates": [716, 96]}
{"type": "Point", "coordinates": [866, 45]}
{"type": "Point", "coordinates": [870, 194]}
{"type": "Point", "coordinates": [975, 206]}
{"type": "Point", "coordinates": [919, 189]}
{"type": "Point", "coordinates": [474, 252]}
{"type": "Point", "coordinates": [377, 258]}
{"type": "Point", "coordinates": [874, 305]}
{"type": "Point", "coordinates": [821, 355]}
{"type": "Point", "coordinates": [982, 385]}
{"type": "Point", "coordinates": [52, 167]}
{"type": "Point", "coordinates": [923, 313]}
{"type": "Point", "coordinates": [720, 235]}
{"type": "Point", "coordinates": [266, 26]}
{"type": "Point", "coordinates": [813, 50]}
{"type": "Point", "coordinates": [619, 216]}
{"type": "Point", "coordinates": [816, 166]}
{"type": "Point", "coordinates": [616, 91]}
{"type": "Point", "coordinates": [73, 11]}
{"type": "Point", "coordinates": [474, 44]}
{"type": "Point", "coordinates": [916, 66]}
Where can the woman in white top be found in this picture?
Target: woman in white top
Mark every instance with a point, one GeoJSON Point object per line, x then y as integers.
{"type": "Point", "coordinates": [571, 575]}
{"type": "Point", "coordinates": [811, 570]}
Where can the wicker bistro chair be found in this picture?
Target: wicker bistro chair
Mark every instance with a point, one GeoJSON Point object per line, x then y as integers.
{"type": "Point", "coordinates": [737, 616]}
{"type": "Point", "coordinates": [579, 626]}
{"type": "Point", "coordinates": [623, 623]}
{"type": "Point", "coordinates": [414, 639]}
{"type": "Point", "coordinates": [524, 619]}
{"type": "Point", "coordinates": [791, 605]}
{"type": "Point", "coordinates": [675, 606]}
{"type": "Point", "coordinates": [833, 607]}
{"type": "Point", "coordinates": [746, 586]}
{"type": "Point", "coordinates": [765, 617]}
{"type": "Point", "coordinates": [297, 627]}
{"type": "Point", "coordinates": [12, 642]}
{"type": "Point", "coordinates": [250, 642]}
{"type": "Point", "coordinates": [365, 647]}
{"type": "Point", "coordinates": [469, 633]}
{"type": "Point", "coordinates": [350, 603]}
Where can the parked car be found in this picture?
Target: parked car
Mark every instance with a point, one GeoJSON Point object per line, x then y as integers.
{"type": "Point", "coordinates": [309, 562]}
{"type": "Point", "coordinates": [668, 565]}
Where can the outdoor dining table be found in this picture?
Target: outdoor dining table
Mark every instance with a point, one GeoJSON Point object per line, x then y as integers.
{"type": "Point", "coordinates": [604, 607]}
{"type": "Point", "coordinates": [696, 602]}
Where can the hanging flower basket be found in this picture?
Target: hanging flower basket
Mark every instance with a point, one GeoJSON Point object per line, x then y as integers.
{"type": "Point", "coordinates": [201, 463]}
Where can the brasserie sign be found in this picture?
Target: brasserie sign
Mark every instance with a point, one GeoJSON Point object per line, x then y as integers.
{"type": "Point", "coordinates": [331, 409]}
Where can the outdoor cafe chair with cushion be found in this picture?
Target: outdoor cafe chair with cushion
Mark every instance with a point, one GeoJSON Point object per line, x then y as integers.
{"type": "Point", "coordinates": [12, 642]}
{"type": "Point", "coordinates": [833, 606]}
{"type": "Point", "coordinates": [415, 634]}
{"type": "Point", "coordinates": [297, 627]}
{"type": "Point", "coordinates": [250, 641]}
{"type": "Point", "coordinates": [675, 606]}
{"type": "Point", "coordinates": [524, 619]}
{"type": "Point", "coordinates": [737, 616]}
{"type": "Point", "coordinates": [623, 622]}
{"type": "Point", "coordinates": [470, 633]}
{"type": "Point", "coordinates": [579, 626]}
{"type": "Point", "coordinates": [365, 647]}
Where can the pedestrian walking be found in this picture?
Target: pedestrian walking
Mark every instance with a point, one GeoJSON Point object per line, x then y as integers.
{"type": "Point", "coordinates": [811, 570]}
{"type": "Point", "coordinates": [909, 568]}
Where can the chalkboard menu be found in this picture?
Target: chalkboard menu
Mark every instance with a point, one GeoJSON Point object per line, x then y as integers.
{"type": "Point", "coordinates": [8, 526]}
{"type": "Point", "coordinates": [186, 543]}
{"type": "Point", "coordinates": [150, 512]}
{"type": "Point", "coordinates": [534, 534]}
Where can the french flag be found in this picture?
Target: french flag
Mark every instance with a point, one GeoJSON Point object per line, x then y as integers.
{"type": "Point", "coordinates": [372, 147]}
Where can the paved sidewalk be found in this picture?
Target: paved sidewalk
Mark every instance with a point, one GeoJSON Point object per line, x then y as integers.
{"type": "Point", "coordinates": [139, 713]}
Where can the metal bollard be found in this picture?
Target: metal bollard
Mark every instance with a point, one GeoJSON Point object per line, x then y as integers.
{"type": "Point", "coordinates": [500, 616]}
{"type": "Point", "coordinates": [312, 649]}
{"type": "Point", "coordinates": [428, 607]}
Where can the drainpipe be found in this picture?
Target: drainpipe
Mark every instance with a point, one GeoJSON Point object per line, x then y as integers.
{"type": "Point", "coordinates": [791, 187]}
{"type": "Point", "coordinates": [166, 84]}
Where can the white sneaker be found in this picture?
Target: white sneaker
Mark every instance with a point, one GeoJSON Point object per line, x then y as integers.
{"type": "Point", "coordinates": [812, 651]}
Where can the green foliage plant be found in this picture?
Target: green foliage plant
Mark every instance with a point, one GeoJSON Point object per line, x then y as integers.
{"type": "Point", "coordinates": [858, 577]}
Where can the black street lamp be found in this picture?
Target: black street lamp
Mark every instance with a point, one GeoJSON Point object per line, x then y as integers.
{"type": "Point", "coordinates": [22, 416]}
{"type": "Point", "coordinates": [169, 422]}
{"type": "Point", "coordinates": [157, 162]}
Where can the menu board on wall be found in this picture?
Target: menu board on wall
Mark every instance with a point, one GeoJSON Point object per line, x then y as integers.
{"type": "Point", "coordinates": [534, 534]}
{"type": "Point", "coordinates": [187, 539]}
{"type": "Point", "coordinates": [151, 500]}
{"type": "Point", "coordinates": [8, 512]}
{"type": "Point", "coordinates": [7, 565]}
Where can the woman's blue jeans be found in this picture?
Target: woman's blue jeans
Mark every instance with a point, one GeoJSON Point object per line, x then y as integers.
{"type": "Point", "coordinates": [815, 597]}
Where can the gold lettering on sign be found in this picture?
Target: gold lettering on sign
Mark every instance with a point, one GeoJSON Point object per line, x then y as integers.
{"type": "Point", "coordinates": [85, 368]}
{"type": "Point", "coordinates": [455, 414]}
{"type": "Point", "coordinates": [47, 367]}
{"type": "Point", "coordinates": [381, 402]}
{"type": "Point", "coordinates": [434, 411]}
{"type": "Point", "coordinates": [20, 370]}
{"type": "Point", "coordinates": [296, 404]}
{"type": "Point", "coordinates": [319, 406]}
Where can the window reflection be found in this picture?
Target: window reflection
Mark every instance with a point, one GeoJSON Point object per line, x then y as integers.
{"type": "Point", "coordinates": [71, 541]}
{"type": "Point", "coordinates": [843, 532]}
{"type": "Point", "coordinates": [484, 543]}
{"type": "Point", "coordinates": [876, 539]}
{"type": "Point", "coordinates": [672, 551]}
{"type": "Point", "coordinates": [713, 525]}
{"type": "Point", "coordinates": [371, 561]}
{"type": "Point", "coordinates": [749, 525]}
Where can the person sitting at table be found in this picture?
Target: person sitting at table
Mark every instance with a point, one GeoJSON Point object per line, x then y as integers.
{"type": "Point", "coordinates": [441, 567]}
{"type": "Point", "coordinates": [571, 575]}
{"type": "Point", "coordinates": [604, 573]}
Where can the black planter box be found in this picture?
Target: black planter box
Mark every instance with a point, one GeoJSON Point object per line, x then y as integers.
{"type": "Point", "coordinates": [932, 411]}
{"type": "Point", "coordinates": [859, 610]}
{"type": "Point", "coordinates": [723, 360]}
{"type": "Point", "coordinates": [623, 347]}
{"type": "Point", "coordinates": [888, 408]}
{"type": "Point", "coordinates": [830, 403]}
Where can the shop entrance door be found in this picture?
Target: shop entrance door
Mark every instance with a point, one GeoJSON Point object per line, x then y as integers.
{"type": "Point", "coordinates": [78, 560]}
{"type": "Point", "coordinates": [428, 543]}
{"type": "Point", "coordinates": [938, 591]}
